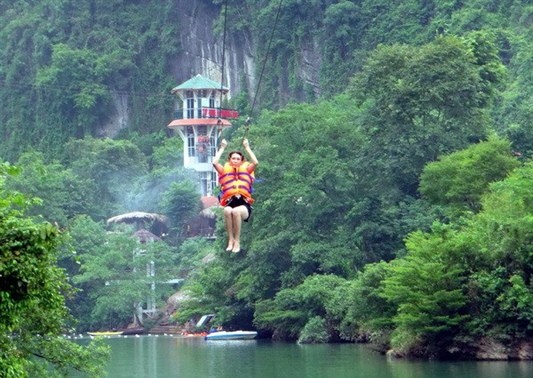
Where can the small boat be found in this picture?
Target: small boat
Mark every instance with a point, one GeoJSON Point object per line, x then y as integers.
{"type": "Point", "coordinates": [231, 335]}
{"type": "Point", "coordinates": [105, 333]}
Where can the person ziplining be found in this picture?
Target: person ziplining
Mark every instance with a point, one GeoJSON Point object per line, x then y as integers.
{"type": "Point", "coordinates": [236, 178]}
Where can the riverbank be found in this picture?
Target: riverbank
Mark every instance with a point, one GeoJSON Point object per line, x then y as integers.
{"type": "Point", "coordinates": [486, 349]}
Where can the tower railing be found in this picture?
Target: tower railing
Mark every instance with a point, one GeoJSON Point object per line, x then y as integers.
{"type": "Point", "coordinates": [205, 112]}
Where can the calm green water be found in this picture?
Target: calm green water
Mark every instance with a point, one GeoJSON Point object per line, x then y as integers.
{"type": "Point", "coordinates": [174, 356]}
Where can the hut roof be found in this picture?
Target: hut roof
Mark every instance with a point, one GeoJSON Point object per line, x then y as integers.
{"type": "Point", "coordinates": [136, 216]}
{"type": "Point", "coordinates": [146, 236]}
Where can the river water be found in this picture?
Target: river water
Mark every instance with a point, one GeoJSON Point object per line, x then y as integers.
{"type": "Point", "coordinates": [165, 356]}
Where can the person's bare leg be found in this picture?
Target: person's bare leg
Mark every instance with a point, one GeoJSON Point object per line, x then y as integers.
{"type": "Point", "coordinates": [239, 214]}
{"type": "Point", "coordinates": [228, 220]}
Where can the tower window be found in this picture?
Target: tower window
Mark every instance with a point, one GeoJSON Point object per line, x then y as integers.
{"type": "Point", "coordinates": [190, 108]}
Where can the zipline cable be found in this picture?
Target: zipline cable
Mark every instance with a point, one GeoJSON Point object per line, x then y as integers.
{"type": "Point", "coordinates": [222, 69]}
{"type": "Point", "coordinates": [248, 120]}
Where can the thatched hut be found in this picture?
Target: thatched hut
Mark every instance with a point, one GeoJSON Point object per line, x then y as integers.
{"type": "Point", "coordinates": [145, 236]}
{"type": "Point", "coordinates": [157, 224]}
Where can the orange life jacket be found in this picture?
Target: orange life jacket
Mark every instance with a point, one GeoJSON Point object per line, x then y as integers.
{"type": "Point", "coordinates": [236, 181]}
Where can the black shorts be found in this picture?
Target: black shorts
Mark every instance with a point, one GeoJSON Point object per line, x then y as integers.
{"type": "Point", "coordinates": [235, 202]}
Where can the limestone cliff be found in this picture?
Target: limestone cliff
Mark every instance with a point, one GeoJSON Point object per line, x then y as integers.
{"type": "Point", "coordinates": [202, 50]}
{"type": "Point", "coordinates": [201, 45]}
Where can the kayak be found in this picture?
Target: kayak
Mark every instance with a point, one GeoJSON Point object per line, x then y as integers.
{"type": "Point", "coordinates": [105, 333]}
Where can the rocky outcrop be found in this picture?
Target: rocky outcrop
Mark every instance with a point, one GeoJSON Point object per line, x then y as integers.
{"type": "Point", "coordinates": [491, 349]}
{"type": "Point", "coordinates": [486, 349]}
{"type": "Point", "coordinates": [118, 118]}
{"type": "Point", "coordinates": [165, 329]}
{"type": "Point", "coordinates": [202, 50]}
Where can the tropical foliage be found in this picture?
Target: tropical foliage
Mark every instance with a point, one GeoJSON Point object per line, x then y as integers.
{"type": "Point", "coordinates": [32, 299]}
{"type": "Point", "coordinates": [340, 191]}
{"type": "Point", "coordinates": [394, 191]}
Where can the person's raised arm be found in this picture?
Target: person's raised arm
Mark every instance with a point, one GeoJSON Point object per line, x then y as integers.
{"type": "Point", "coordinates": [218, 155]}
{"type": "Point", "coordinates": [249, 151]}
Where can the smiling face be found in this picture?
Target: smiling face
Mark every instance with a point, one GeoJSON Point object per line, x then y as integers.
{"type": "Point", "coordinates": [235, 159]}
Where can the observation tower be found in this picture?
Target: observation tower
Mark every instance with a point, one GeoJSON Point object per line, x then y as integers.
{"type": "Point", "coordinates": [199, 121]}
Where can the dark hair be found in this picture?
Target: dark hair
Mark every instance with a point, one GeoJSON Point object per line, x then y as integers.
{"type": "Point", "coordinates": [236, 152]}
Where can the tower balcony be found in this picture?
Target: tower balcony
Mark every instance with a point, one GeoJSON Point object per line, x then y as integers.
{"type": "Point", "coordinates": [206, 113]}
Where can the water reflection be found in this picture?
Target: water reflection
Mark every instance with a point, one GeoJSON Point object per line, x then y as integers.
{"type": "Point", "coordinates": [184, 357]}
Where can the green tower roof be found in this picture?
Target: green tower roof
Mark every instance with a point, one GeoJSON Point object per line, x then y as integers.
{"type": "Point", "coordinates": [199, 82]}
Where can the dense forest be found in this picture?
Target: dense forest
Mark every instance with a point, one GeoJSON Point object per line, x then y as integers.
{"type": "Point", "coordinates": [394, 199]}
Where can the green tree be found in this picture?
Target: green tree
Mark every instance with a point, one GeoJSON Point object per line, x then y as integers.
{"type": "Point", "coordinates": [32, 304]}
{"type": "Point", "coordinates": [424, 102]}
{"type": "Point", "coordinates": [110, 168]}
{"type": "Point", "coordinates": [167, 154]}
{"type": "Point", "coordinates": [181, 202]}
{"type": "Point", "coordinates": [85, 236]}
{"type": "Point", "coordinates": [301, 311]}
{"type": "Point", "coordinates": [74, 84]}
{"type": "Point", "coordinates": [458, 180]}
{"type": "Point", "coordinates": [514, 116]}
{"type": "Point", "coordinates": [314, 332]}
{"type": "Point", "coordinates": [501, 287]}
{"type": "Point", "coordinates": [427, 288]}
{"type": "Point", "coordinates": [214, 288]}
{"type": "Point", "coordinates": [64, 194]}
{"type": "Point", "coordinates": [66, 67]}
{"type": "Point", "coordinates": [470, 279]}
{"type": "Point", "coordinates": [341, 38]}
{"type": "Point", "coordinates": [124, 275]}
{"type": "Point", "coordinates": [361, 311]}
{"type": "Point", "coordinates": [314, 214]}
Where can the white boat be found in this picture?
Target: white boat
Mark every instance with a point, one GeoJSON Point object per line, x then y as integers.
{"type": "Point", "coordinates": [105, 333]}
{"type": "Point", "coordinates": [231, 335]}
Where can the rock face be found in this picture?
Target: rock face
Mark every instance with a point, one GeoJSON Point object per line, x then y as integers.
{"type": "Point", "coordinates": [486, 349]}
{"type": "Point", "coordinates": [490, 349]}
{"type": "Point", "coordinates": [202, 50]}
